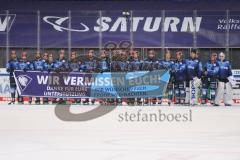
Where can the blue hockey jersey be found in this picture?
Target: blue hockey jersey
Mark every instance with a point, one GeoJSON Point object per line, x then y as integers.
{"type": "Point", "coordinates": [194, 68]}
{"type": "Point", "coordinates": [212, 69]}
{"type": "Point", "coordinates": [24, 65]}
{"type": "Point", "coordinates": [134, 65]}
{"type": "Point", "coordinates": [11, 66]}
{"type": "Point", "coordinates": [103, 65]}
{"type": "Point", "coordinates": [179, 70]}
{"type": "Point", "coordinates": [38, 65]}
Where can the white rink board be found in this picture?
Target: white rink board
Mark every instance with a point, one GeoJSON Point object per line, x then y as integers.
{"type": "Point", "coordinates": [35, 133]}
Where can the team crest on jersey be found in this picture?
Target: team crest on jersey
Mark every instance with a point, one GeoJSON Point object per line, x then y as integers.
{"type": "Point", "coordinates": [23, 81]}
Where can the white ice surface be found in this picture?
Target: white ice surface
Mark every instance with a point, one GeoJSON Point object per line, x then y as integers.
{"type": "Point", "coordinates": [35, 133]}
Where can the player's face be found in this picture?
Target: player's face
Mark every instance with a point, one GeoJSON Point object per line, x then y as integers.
{"type": "Point", "coordinates": [179, 55]}
{"type": "Point", "coordinates": [135, 55]}
{"type": "Point", "coordinates": [103, 54]}
{"type": "Point", "coordinates": [193, 55]}
{"type": "Point", "coordinates": [168, 55]}
{"type": "Point", "coordinates": [62, 54]}
{"type": "Point", "coordinates": [123, 55]}
{"type": "Point", "coordinates": [13, 55]}
{"type": "Point", "coordinates": [38, 55]}
{"type": "Point", "coordinates": [213, 57]}
{"type": "Point", "coordinates": [151, 54]}
{"type": "Point", "coordinates": [90, 53]}
{"type": "Point", "coordinates": [50, 59]}
{"type": "Point", "coordinates": [73, 55]}
{"type": "Point", "coordinates": [24, 56]}
{"type": "Point", "coordinates": [221, 57]}
{"type": "Point", "coordinates": [45, 56]}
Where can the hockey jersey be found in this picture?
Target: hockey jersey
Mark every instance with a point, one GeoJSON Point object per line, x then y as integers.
{"type": "Point", "coordinates": [11, 66]}
{"type": "Point", "coordinates": [212, 69]}
{"type": "Point", "coordinates": [38, 65]}
{"type": "Point", "coordinates": [194, 68]}
{"type": "Point", "coordinates": [24, 65]}
{"type": "Point", "coordinates": [180, 70]}
{"type": "Point", "coordinates": [134, 65]}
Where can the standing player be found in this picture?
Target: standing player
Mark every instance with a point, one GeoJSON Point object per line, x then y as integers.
{"type": "Point", "coordinates": [61, 65]}
{"type": "Point", "coordinates": [167, 63]}
{"type": "Point", "coordinates": [224, 88]}
{"type": "Point", "coordinates": [24, 65]}
{"type": "Point", "coordinates": [11, 66]}
{"type": "Point", "coordinates": [194, 71]}
{"type": "Point", "coordinates": [74, 66]}
{"type": "Point", "coordinates": [209, 79]}
{"type": "Point", "coordinates": [103, 65]}
{"type": "Point", "coordinates": [150, 64]}
{"type": "Point", "coordinates": [90, 66]}
{"type": "Point", "coordinates": [180, 77]}
{"type": "Point", "coordinates": [133, 66]}
{"type": "Point", "coordinates": [48, 66]}
{"type": "Point", "coordinates": [37, 65]}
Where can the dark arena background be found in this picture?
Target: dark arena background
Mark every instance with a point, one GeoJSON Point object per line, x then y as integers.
{"type": "Point", "coordinates": [95, 103]}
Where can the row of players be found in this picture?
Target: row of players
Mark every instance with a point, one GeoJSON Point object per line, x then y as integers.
{"type": "Point", "coordinates": [186, 74]}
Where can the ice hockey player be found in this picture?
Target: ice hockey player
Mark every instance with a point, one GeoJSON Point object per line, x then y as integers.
{"type": "Point", "coordinates": [150, 64]}
{"type": "Point", "coordinates": [209, 79]}
{"type": "Point", "coordinates": [24, 65]}
{"type": "Point", "coordinates": [49, 65]}
{"type": "Point", "coordinates": [11, 66]}
{"type": "Point", "coordinates": [225, 81]}
{"type": "Point", "coordinates": [167, 64]}
{"type": "Point", "coordinates": [74, 66]}
{"type": "Point", "coordinates": [37, 65]}
{"type": "Point", "coordinates": [134, 65]}
{"type": "Point", "coordinates": [45, 56]}
{"type": "Point", "coordinates": [119, 64]}
{"type": "Point", "coordinates": [103, 65]}
{"type": "Point", "coordinates": [180, 77]}
{"type": "Point", "coordinates": [194, 71]}
{"type": "Point", "coordinates": [60, 64]}
{"type": "Point", "coordinates": [90, 66]}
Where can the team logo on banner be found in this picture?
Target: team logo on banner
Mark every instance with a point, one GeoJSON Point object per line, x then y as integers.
{"type": "Point", "coordinates": [23, 81]}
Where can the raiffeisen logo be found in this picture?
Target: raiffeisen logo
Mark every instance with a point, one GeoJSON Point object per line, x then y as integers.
{"type": "Point", "coordinates": [150, 24]}
{"type": "Point", "coordinates": [6, 22]}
